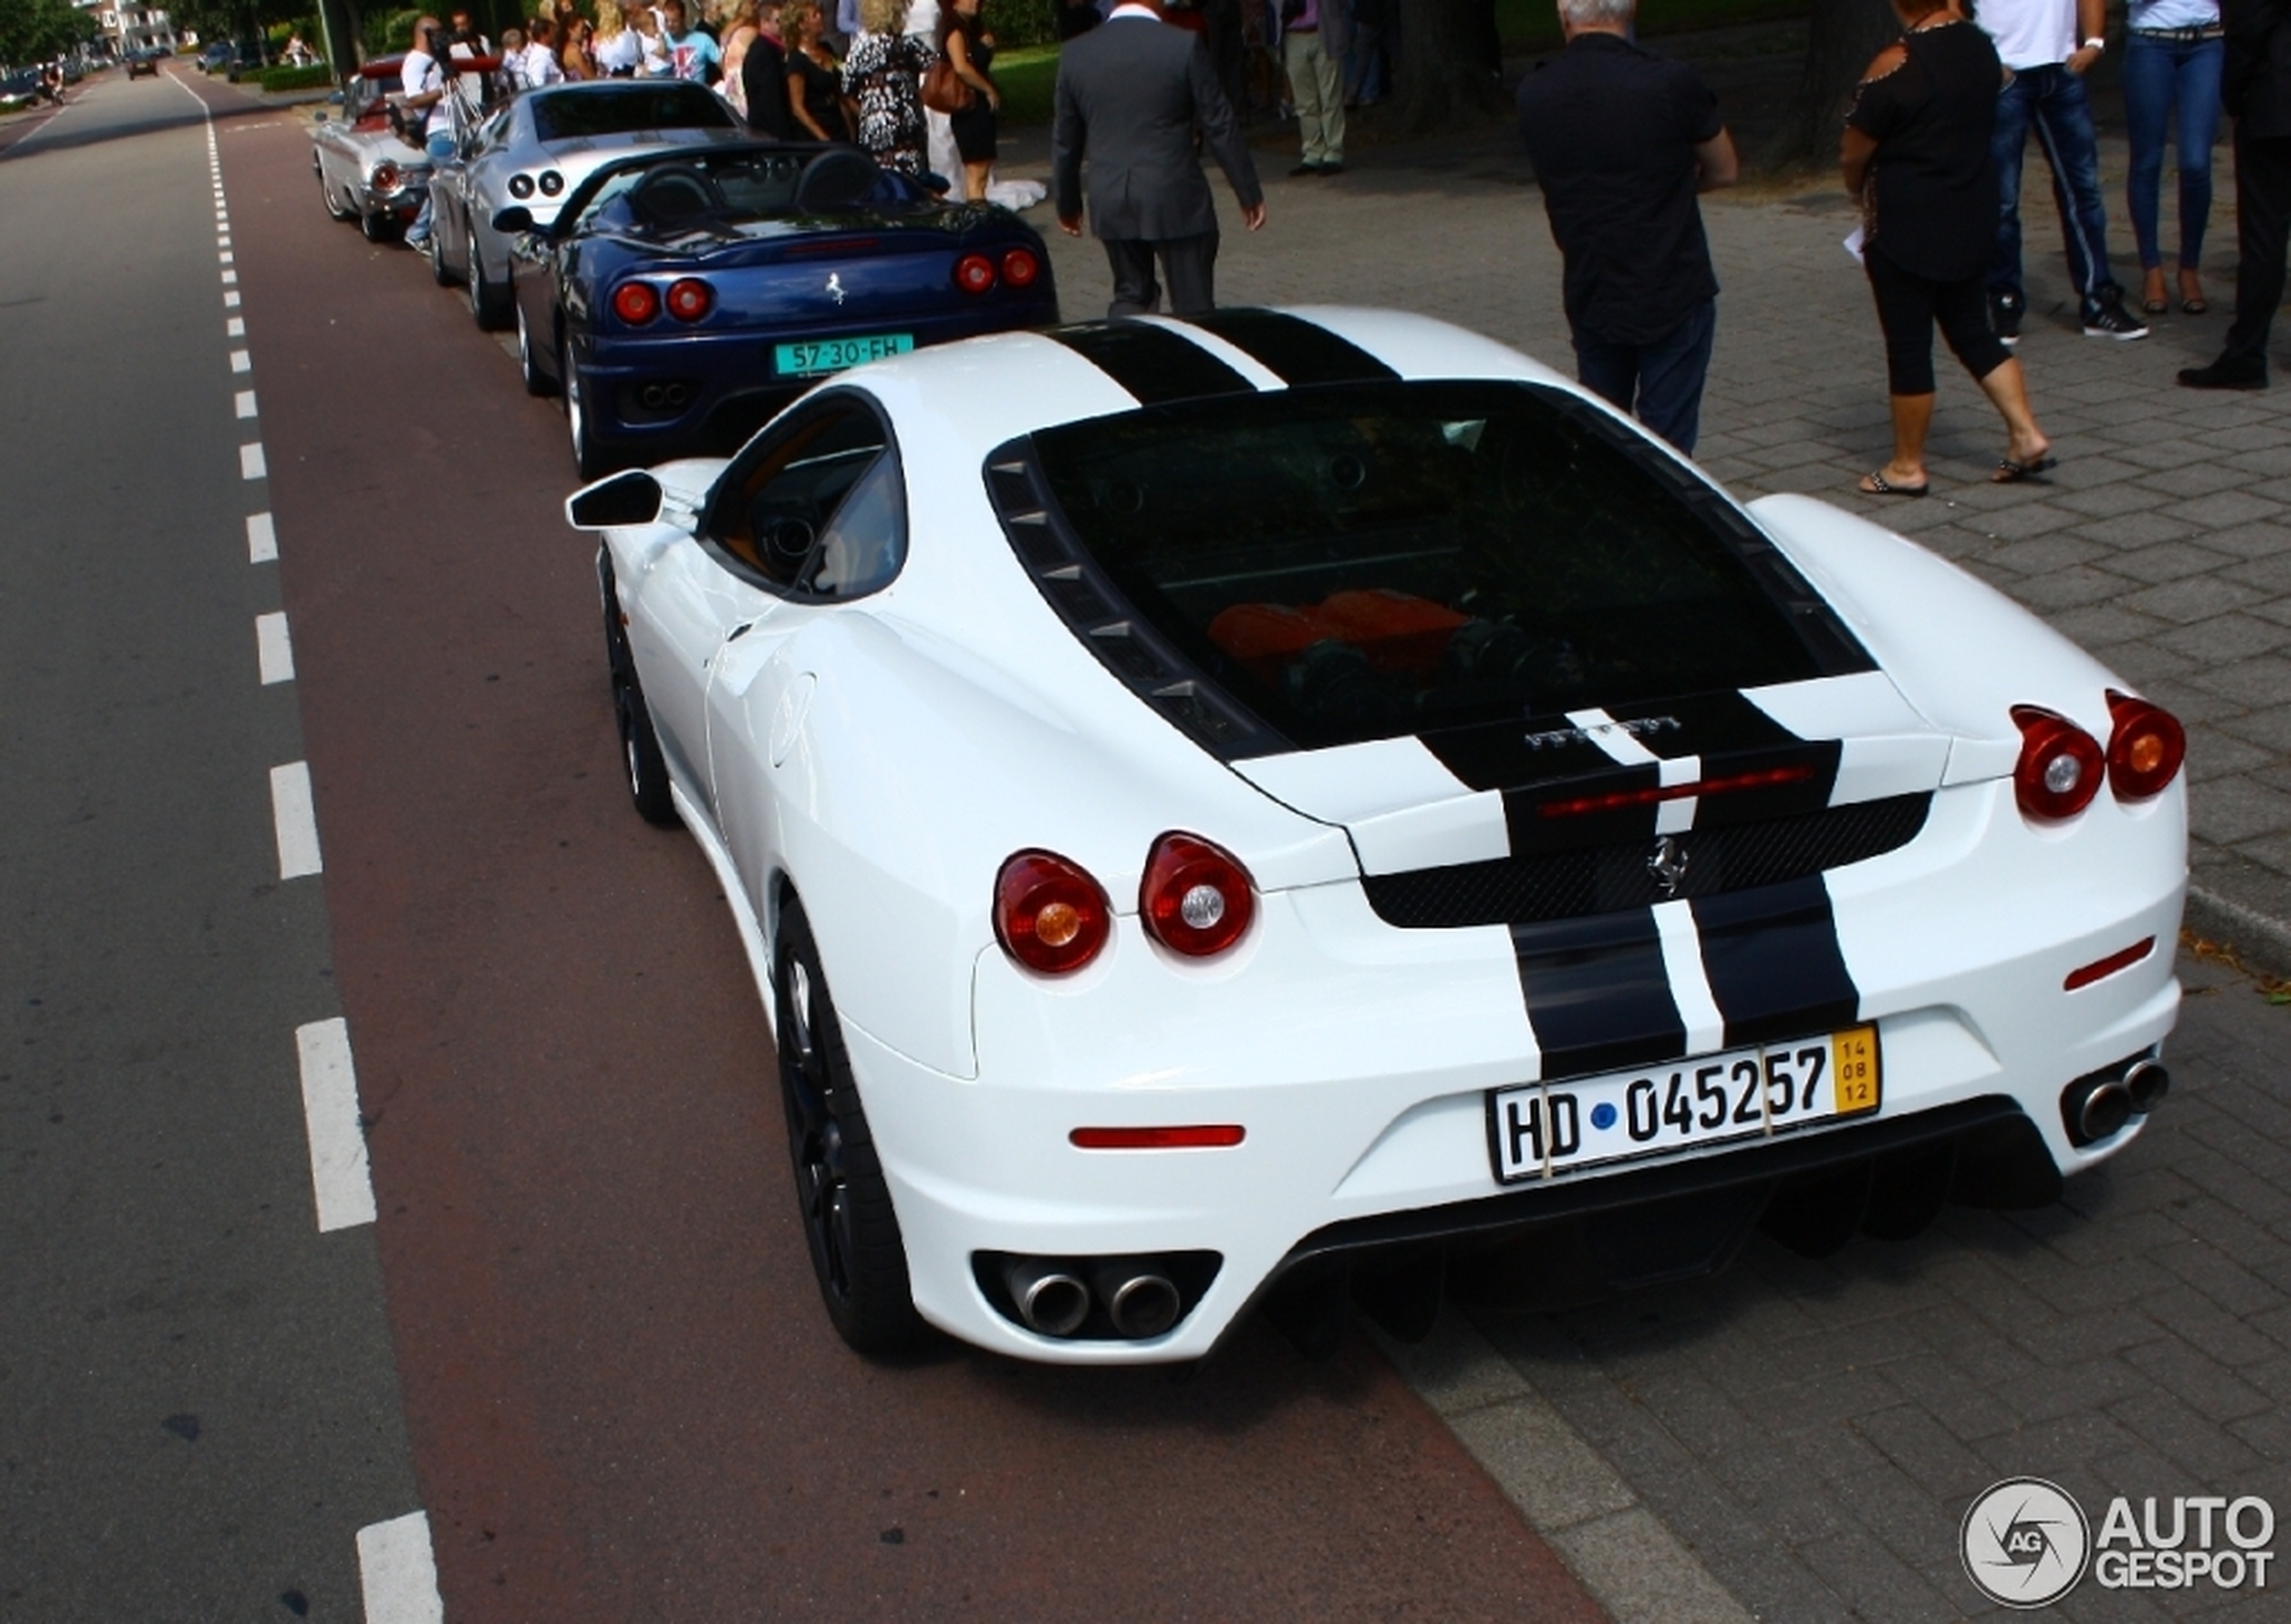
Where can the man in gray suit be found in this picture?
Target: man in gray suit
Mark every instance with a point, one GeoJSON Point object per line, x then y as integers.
{"type": "Point", "coordinates": [1130, 95]}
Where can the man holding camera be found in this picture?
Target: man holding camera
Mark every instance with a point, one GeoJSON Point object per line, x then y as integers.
{"type": "Point", "coordinates": [426, 92]}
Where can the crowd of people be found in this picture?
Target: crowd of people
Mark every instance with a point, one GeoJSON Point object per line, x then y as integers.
{"type": "Point", "coordinates": [1623, 139]}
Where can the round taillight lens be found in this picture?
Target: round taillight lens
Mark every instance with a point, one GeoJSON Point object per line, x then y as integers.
{"type": "Point", "coordinates": [385, 178]}
{"type": "Point", "coordinates": [974, 273]}
{"type": "Point", "coordinates": [1196, 898]}
{"type": "Point", "coordinates": [690, 299]}
{"type": "Point", "coordinates": [1049, 914]}
{"type": "Point", "coordinates": [521, 187]}
{"type": "Point", "coordinates": [2144, 749]}
{"type": "Point", "coordinates": [635, 303]}
{"type": "Point", "coordinates": [2060, 766]}
{"type": "Point", "coordinates": [552, 183]}
{"type": "Point", "coordinates": [1019, 268]}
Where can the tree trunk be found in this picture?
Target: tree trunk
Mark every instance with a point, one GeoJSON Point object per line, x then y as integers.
{"type": "Point", "coordinates": [1842, 37]}
{"type": "Point", "coordinates": [1451, 64]}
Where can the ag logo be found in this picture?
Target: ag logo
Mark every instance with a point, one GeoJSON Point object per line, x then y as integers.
{"type": "Point", "coordinates": [2025, 1542]}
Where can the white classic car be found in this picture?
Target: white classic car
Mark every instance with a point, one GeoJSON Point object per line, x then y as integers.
{"type": "Point", "coordinates": [1226, 811]}
{"type": "Point", "coordinates": [367, 171]}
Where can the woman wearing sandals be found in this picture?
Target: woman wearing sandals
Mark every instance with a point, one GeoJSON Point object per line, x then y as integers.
{"type": "Point", "coordinates": [1915, 157]}
{"type": "Point", "coordinates": [2173, 52]}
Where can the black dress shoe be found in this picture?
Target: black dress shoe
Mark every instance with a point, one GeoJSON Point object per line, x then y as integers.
{"type": "Point", "coordinates": [2225, 373]}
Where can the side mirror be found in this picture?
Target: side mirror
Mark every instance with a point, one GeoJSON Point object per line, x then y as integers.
{"type": "Point", "coordinates": [512, 220]}
{"type": "Point", "coordinates": [631, 497]}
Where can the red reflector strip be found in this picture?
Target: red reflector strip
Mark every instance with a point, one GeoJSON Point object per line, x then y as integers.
{"type": "Point", "coordinates": [1208, 1137]}
{"type": "Point", "coordinates": [1621, 799]}
{"type": "Point", "coordinates": [2100, 969]}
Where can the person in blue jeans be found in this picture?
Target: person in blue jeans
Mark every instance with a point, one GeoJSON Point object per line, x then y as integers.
{"type": "Point", "coordinates": [2038, 42]}
{"type": "Point", "coordinates": [2173, 49]}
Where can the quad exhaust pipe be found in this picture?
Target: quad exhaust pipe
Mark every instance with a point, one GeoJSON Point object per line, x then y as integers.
{"type": "Point", "coordinates": [2099, 1102]}
{"type": "Point", "coordinates": [1054, 1298]}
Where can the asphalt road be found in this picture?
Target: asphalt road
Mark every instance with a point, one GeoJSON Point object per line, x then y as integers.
{"type": "Point", "coordinates": [622, 1397]}
{"type": "Point", "coordinates": [198, 1406]}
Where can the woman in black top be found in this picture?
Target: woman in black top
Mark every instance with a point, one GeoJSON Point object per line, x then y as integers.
{"type": "Point", "coordinates": [815, 77]}
{"type": "Point", "coordinates": [1915, 157]}
{"type": "Point", "coordinates": [964, 41]}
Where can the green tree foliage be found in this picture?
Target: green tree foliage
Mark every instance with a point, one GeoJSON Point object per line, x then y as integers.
{"type": "Point", "coordinates": [33, 31]}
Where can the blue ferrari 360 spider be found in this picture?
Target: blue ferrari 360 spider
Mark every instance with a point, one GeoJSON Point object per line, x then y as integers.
{"type": "Point", "coordinates": [682, 294]}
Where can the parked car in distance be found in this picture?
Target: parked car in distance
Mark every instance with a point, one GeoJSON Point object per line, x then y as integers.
{"type": "Point", "coordinates": [143, 64]}
{"type": "Point", "coordinates": [684, 294]}
{"type": "Point", "coordinates": [367, 171]}
{"type": "Point", "coordinates": [534, 150]}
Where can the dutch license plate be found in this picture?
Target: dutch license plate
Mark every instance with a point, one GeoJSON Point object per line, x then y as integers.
{"type": "Point", "coordinates": [1538, 1130]}
{"type": "Point", "coordinates": [833, 354]}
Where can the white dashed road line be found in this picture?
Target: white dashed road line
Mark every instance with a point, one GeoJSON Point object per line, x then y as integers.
{"type": "Point", "coordinates": [338, 1172]}
{"type": "Point", "coordinates": [397, 1573]}
{"type": "Point", "coordinates": [397, 1566]}
{"type": "Point", "coordinates": [297, 818]}
{"type": "Point", "coordinates": [273, 651]}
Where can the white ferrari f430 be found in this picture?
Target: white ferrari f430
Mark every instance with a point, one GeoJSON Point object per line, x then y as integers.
{"type": "Point", "coordinates": [1234, 811]}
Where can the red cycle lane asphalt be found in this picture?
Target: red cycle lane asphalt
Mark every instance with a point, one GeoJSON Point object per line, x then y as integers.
{"type": "Point", "coordinates": [624, 1400]}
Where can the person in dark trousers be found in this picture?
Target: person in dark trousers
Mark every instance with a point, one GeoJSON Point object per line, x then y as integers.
{"type": "Point", "coordinates": [2255, 87]}
{"type": "Point", "coordinates": [1621, 140]}
{"type": "Point", "coordinates": [1130, 95]}
{"type": "Point", "coordinates": [2048, 46]}
{"type": "Point", "coordinates": [763, 80]}
{"type": "Point", "coordinates": [1917, 157]}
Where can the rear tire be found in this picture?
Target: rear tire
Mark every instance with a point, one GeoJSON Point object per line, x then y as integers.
{"type": "Point", "coordinates": [536, 382]}
{"type": "Point", "coordinates": [843, 1198]}
{"type": "Point", "coordinates": [376, 227]}
{"type": "Point", "coordinates": [641, 762]}
{"type": "Point", "coordinates": [334, 210]}
{"type": "Point", "coordinates": [591, 463]}
{"type": "Point", "coordinates": [435, 252]}
{"type": "Point", "coordinates": [489, 306]}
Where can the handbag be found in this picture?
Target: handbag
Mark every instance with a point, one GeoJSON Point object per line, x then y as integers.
{"type": "Point", "coordinates": [945, 90]}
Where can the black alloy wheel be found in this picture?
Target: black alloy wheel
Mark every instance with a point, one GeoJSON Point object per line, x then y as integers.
{"type": "Point", "coordinates": [844, 1200]}
{"type": "Point", "coordinates": [641, 757]}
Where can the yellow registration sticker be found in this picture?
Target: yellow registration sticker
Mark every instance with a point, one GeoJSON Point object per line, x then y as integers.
{"type": "Point", "coordinates": [1854, 1072]}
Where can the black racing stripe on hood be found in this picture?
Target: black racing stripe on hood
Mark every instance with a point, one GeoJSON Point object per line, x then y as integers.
{"type": "Point", "coordinates": [1599, 998]}
{"type": "Point", "coordinates": [1301, 351]}
{"type": "Point", "coordinates": [1152, 362]}
{"type": "Point", "coordinates": [1773, 961]}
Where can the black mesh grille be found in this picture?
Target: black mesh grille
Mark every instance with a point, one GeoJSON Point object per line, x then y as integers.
{"type": "Point", "coordinates": [1565, 884]}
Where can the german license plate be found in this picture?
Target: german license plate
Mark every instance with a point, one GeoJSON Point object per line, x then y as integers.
{"type": "Point", "coordinates": [1539, 1129]}
{"type": "Point", "coordinates": [833, 354]}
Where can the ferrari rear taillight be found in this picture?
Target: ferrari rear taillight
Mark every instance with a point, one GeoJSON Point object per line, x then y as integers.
{"type": "Point", "coordinates": [1020, 268]}
{"type": "Point", "coordinates": [635, 303]}
{"type": "Point", "coordinates": [2145, 749]}
{"type": "Point", "coordinates": [1049, 914]}
{"type": "Point", "coordinates": [1196, 898]}
{"type": "Point", "coordinates": [690, 299]}
{"type": "Point", "coordinates": [2060, 766]}
{"type": "Point", "coordinates": [974, 273]}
